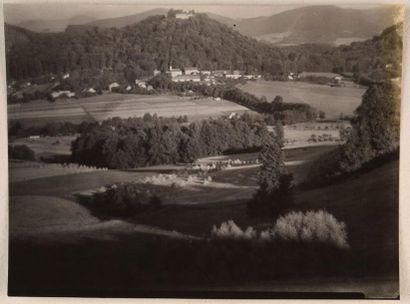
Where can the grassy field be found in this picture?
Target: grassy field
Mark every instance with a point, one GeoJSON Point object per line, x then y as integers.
{"type": "Point", "coordinates": [332, 101]}
{"type": "Point", "coordinates": [108, 105]}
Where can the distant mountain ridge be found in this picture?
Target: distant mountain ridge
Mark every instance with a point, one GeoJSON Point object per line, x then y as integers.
{"type": "Point", "coordinates": [119, 22]}
{"type": "Point", "coordinates": [52, 26]}
{"type": "Point", "coordinates": [320, 24]}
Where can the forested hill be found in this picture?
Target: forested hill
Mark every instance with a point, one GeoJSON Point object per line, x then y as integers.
{"type": "Point", "coordinates": [152, 43]}
{"type": "Point", "coordinates": [159, 41]}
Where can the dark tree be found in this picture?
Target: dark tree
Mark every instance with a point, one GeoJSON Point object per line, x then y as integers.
{"type": "Point", "coordinates": [274, 182]}
{"type": "Point", "coordinates": [375, 127]}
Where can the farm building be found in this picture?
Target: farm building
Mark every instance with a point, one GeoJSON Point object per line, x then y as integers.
{"type": "Point", "coordinates": [220, 73]}
{"type": "Point", "coordinates": [140, 83]}
{"type": "Point", "coordinates": [191, 71]}
{"type": "Point", "coordinates": [174, 72]}
{"type": "Point", "coordinates": [186, 78]}
{"type": "Point", "coordinates": [57, 94]}
{"type": "Point", "coordinates": [233, 76]}
{"type": "Point", "coordinates": [113, 85]}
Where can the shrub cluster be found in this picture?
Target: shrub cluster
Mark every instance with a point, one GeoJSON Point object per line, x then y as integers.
{"type": "Point", "coordinates": [312, 226]}
{"type": "Point", "coordinates": [121, 200]}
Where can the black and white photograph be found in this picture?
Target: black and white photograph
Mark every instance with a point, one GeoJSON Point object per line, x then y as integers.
{"type": "Point", "coordinates": [203, 150]}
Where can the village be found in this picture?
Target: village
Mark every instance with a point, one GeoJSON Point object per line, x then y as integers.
{"type": "Point", "coordinates": [20, 91]}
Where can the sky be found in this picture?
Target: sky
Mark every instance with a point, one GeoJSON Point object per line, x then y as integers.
{"type": "Point", "coordinates": [15, 13]}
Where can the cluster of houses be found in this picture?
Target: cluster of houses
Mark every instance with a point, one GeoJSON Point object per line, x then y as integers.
{"type": "Point", "coordinates": [139, 83]}
{"type": "Point", "coordinates": [193, 74]}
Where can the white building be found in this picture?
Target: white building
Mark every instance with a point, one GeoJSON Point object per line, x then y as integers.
{"type": "Point", "coordinates": [191, 71]}
{"type": "Point", "coordinates": [234, 75]}
{"type": "Point", "coordinates": [57, 94]}
{"type": "Point", "coordinates": [65, 76]}
{"type": "Point", "coordinates": [174, 72]}
{"type": "Point", "coordinates": [140, 83]}
{"type": "Point", "coordinates": [113, 85]}
{"type": "Point", "coordinates": [186, 78]}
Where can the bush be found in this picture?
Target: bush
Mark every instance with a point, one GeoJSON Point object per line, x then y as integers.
{"type": "Point", "coordinates": [310, 227]}
{"type": "Point", "coordinates": [21, 152]}
{"type": "Point", "coordinates": [319, 226]}
{"type": "Point", "coordinates": [229, 230]}
{"type": "Point", "coordinates": [124, 200]}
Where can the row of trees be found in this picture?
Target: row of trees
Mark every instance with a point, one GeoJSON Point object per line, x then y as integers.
{"type": "Point", "coordinates": [18, 129]}
{"type": "Point", "coordinates": [135, 142]}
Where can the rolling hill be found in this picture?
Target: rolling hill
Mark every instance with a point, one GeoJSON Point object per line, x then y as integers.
{"type": "Point", "coordinates": [323, 24]}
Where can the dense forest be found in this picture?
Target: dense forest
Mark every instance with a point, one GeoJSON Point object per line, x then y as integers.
{"type": "Point", "coordinates": [158, 41]}
{"type": "Point", "coordinates": [135, 142]}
